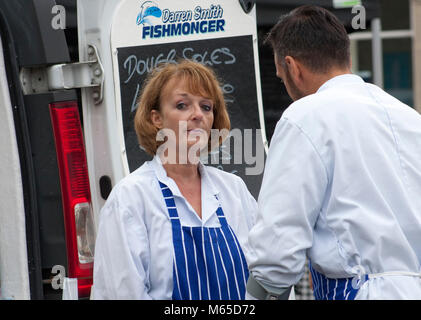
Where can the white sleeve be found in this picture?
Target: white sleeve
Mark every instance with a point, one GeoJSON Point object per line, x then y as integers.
{"type": "Point", "coordinates": [290, 200]}
{"type": "Point", "coordinates": [249, 205]}
{"type": "Point", "coordinates": [121, 254]}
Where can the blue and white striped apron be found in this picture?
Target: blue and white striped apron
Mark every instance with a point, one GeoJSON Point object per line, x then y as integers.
{"type": "Point", "coordinates": [325, 288]}
{"type": "Point", "coordinates": [209, 263]}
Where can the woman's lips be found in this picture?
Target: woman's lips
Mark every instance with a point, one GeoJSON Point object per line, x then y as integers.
{"type": "Point", "coordinates": [198, 130]}
{"type": "Point", "coordinates": [196, 134]}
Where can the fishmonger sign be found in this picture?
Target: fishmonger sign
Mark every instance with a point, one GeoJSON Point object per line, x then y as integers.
{"type": "Point", "coordinates": [181, 22]}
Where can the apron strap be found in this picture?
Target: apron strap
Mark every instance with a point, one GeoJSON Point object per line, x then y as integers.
{"type": "Point", "coordinates": [394, 273]}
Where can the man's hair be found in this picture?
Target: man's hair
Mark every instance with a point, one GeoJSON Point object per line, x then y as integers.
{"type": "Point", "coordinates": [313, 36]}
{"type": "Point", "coordinates": [200, 80]}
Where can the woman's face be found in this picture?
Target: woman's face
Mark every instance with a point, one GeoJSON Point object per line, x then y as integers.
{"type": "Point", "coordinates": [189, 116]}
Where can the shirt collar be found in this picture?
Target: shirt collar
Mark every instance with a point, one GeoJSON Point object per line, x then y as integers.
{"type": "Point", "coordinates": [207, 185]}
{"type": "Point", "coordinates": [344, 79]}
{"type": "Point", "coordinates": [210, 200]}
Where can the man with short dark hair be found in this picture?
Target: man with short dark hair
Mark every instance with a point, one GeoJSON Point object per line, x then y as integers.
{"type": "Point", "coordinates": [342, 181]}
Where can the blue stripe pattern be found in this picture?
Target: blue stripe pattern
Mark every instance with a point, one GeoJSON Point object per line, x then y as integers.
{"type": "Point", "coordinates": [325, 288]}
{"type": "Point", "coordinates": [209, 263]}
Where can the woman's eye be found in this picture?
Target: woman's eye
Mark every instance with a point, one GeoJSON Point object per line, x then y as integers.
{"type": "Point", "coordinates": [207, 107]}
{"type": "Point", "coordinates": [180, 105]}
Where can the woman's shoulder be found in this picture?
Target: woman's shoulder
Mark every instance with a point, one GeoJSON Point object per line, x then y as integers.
{"type": "Point", "coordinates": [220, 173]}
{"type": "Point", "coordinates": [141, 175]}
{"type": "Point", "coordinates": [133, 185]}
{"type": "Point", "coordinates": [234, 195]}
{"type": "Point", "coordinates": [223, 178]}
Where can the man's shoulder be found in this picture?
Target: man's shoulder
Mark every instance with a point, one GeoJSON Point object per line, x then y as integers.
{"type": "Point", "coordinates": [326, 104]}
{"type": "Point", "coordinates": [308, 106]}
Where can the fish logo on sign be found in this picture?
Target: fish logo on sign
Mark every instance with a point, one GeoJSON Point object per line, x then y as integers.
{"type": "Point", "coordinates": [148, 9]}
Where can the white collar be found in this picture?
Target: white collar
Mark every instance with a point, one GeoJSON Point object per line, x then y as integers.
{"type": "Point", "coordinates": [341, 80]}
{"type": "Point", "coordinates": [210, 201]}
{"type": "Point", "coordinates": [162, 176]}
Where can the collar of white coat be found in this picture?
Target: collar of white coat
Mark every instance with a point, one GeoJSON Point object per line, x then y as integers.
{"type": "Point", "coordinates": [210, 201]}
{"type": "Point", "coordinates": [341, 80]}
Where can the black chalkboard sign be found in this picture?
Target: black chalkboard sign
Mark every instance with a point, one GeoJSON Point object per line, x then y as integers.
{"type": "Point", "coordinates": [232, 59]}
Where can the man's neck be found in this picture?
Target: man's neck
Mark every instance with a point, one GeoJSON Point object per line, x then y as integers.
{"type": "Point", "coordinates": [321, 79]}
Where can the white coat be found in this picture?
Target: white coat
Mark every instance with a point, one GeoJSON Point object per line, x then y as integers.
{"type": "Point", "coordinates": [134, 247]}
{"type": "Point", "coordinates": [342, 186]}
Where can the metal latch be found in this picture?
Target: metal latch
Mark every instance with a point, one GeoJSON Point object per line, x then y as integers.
{"type": "Point", "coordinates": [247, 5]}
{"type": "Point", "coordinates": [79, 75]}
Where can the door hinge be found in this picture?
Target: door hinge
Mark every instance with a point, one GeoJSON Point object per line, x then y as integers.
{"type": "Point", "coordinates": [89, 74]}
{"type": "Point", "coordinates": [79, 75]}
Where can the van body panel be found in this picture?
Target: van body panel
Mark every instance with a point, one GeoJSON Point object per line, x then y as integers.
{"type": "Point", "coordinates": [14, 278]}
{"type": "Point", "coordinates": [103, 148]}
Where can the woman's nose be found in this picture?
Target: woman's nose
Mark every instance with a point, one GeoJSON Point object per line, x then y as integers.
{"type": "Point", "coordinates": [197, 113]}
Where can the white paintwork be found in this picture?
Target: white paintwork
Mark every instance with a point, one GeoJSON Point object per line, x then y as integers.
{"type": "Point", "coordinates": [13, 251]}
{"type": "Point", "coordinates": [103, 148]}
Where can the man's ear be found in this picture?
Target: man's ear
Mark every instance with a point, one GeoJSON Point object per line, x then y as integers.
{"type": "Point", "coordinates": [156, 119]}
{"type": "Point", "coordinates": [294, 68]}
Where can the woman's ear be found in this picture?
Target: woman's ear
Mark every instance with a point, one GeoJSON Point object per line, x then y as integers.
{"type": "Point", "coordinates": [156, 119]}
